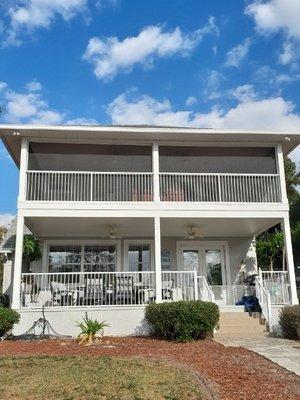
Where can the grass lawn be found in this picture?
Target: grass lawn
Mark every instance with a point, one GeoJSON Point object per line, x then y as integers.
{"type": "Point", "coordinates": [74, 378]}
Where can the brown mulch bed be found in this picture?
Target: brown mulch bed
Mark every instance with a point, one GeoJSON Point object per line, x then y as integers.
{"type": "Point", "coordinates": [233, 373]}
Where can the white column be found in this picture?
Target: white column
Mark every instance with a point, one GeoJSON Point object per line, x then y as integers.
{"type": "Point", "coordinates": [157, 250]}
{"type": "Point", "coordinates": [155, 170]}
{"type": "Point", "coordinates": [290, 258]}
{"type": "Point", "coordinates": [281, 172]}
{"type": "Point", "coordinates": [18, 262]}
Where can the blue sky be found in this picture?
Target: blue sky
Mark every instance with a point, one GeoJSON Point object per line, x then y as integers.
{"type": "Point", "coordinates": [223, 64]}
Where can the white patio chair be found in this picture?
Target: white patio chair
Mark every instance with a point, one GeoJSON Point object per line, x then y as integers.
{"type": "Point", "coordinates": [61, 295]}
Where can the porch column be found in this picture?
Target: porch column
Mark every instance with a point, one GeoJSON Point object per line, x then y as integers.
{"type": "Point", "coordinates": [290, 258]}
{"type": "Point", "coordinates": [155, 170]}
{"type": "Point", "coordinates": [281, 172]}
{"type": "Point", "coordinates": [157, 250]}
{"type": "Point", "coordinates": [18, 263]}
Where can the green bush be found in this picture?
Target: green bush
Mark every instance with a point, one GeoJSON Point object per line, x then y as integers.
{"type": "Point", "coordinates": [8, 318]}
{"type": "Point", "coordinates": [289, 321]}
{"type": "Point", "coordinates": [182, 320]}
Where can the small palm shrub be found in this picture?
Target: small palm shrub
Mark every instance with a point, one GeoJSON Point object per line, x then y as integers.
{"type": "Point", "coordinates": [91, 330]}
{"type": "Point", "coordinates": [182, 321]}
{"type": "Point", "coordinates": [289, 321]}
{"type": "Point", "coordinates": [8, 318]}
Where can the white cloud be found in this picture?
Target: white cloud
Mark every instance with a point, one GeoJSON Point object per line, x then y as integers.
{"type": "Point", "coordinates": [28, 106]}
{"type": "Point", "coordinates": [275, 15]}
{"type": "Point", "coordinates": [212, 85]}
{"type": "Point", "coordinates": [251, 113]}
{"type": "Point", "coordinates": [34, 86]}
{"type": "Point", "coordinates": [110, 56]}
{"type": "Point", "coordinates": [190, 101]}
{"type": "Point", "coordinates": [29, 15]}
{"type": "Point", "coordinates": [288, 54]}
{"type": "Point", "coordinates": [5, 219]}
{"type": "Point", "coordinates": [82, 121]}
{"type": "Point", "coordinates": [237, 54]}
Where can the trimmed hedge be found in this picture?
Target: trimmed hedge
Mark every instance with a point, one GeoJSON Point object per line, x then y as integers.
{"type": "Point", "coordinates": [182, 321]}
{"type": "Point", "coordinates": [289, 321]}
{"type": "Point", "coordinates": [8, 318]}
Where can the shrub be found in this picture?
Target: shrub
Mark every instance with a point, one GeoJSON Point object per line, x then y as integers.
{"type": "Point", "coordinates": [182, 320]}
{"type": "Point", "coordinates": [289, 321]}
{"type": "Point", "coordinates": [4, 300]}
{"type": "Point", "coordinates": [91, 330]}
{"type": "Point", "coordinates": [8, 318]}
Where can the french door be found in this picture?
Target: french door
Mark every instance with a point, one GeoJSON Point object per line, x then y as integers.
{"type": "Point", "coordinates": [208, 259]}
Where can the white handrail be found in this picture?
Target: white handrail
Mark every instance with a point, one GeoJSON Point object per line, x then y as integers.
{"type": "Point", "coordinates": [205, 290]}
{"type": "Point", "coordinates": [264, 299]}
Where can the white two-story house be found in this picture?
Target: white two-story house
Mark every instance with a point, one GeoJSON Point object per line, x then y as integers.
{"type": "Point", "coordinates": [127, 215]}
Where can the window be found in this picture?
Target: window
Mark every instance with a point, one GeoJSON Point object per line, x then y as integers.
{"type": "Point", "coordinates": [139, 257]}
{"type": "Point", "coordinates": [99, 258]}
{"type": "Point", "coordinates": [213, 267]}
{"type": "Point", "coordinates": [82, 258]}
{"type": "Point", "coordinates": [64, 258]}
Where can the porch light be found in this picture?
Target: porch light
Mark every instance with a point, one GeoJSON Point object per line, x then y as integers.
{"type": "Point", "coordinates": [16, 133]}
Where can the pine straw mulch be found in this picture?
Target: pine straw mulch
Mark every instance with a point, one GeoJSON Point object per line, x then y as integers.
{"type": "Point", "coordinates": [230, 373]}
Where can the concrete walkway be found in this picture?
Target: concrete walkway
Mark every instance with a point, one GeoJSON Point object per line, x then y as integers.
{"type": "Point", "coordinates": [283, 352]}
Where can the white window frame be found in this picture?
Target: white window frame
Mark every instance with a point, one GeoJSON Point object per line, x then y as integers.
{"type": "Point", "coordinates": [141, 242]}
{"type": "Point", "coordinates": [207, 245]}
{"type": "Point", "coordinates": [82, 243]}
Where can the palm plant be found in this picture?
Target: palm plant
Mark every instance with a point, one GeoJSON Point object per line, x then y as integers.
{"type": "Point", "coordinates": [91, 330]}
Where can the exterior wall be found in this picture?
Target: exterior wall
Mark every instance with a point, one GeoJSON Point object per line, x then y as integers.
{"type": "Point", "coordinates": [8, 275]}
{"type": "Point", "coordinates": [122, 321]}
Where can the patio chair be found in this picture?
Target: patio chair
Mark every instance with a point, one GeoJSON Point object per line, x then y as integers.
{"type": "Point", "coordinates": [94, 291]}
{"type": "Point", "coordinates": [124, 290]}
{"type": "Point", "coordinates": [62, 296]}
{"type": "Point", "coordinates": [167, 289]}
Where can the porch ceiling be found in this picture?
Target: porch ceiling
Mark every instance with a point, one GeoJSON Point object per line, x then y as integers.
{"type": "Point", "coordinates": [131, 227]}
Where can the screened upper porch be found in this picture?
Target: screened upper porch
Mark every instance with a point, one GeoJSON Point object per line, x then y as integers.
{"type": "Point", "coordinates": [123, 173]}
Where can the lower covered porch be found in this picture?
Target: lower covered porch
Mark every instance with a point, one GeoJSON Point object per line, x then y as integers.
{"type": "Point", "coordinates": [99, 262]}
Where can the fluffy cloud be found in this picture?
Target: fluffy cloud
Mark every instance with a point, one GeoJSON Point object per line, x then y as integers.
{"type": "Point", "coordinates": [275, 15]}
{"type": "Point", "coordinates": [212, 85]}
{"type": "Point", "coordinates": [110, 56]}
{"type": "Point", "coordinates": [5, 219]}
{"type": "Point", "coordinates": [28, 107]}
{"type": "Point", "coordinates": [34, 86]}
{"type": "Point", "coordinates": [250, 112]}
{"type": "Point", "coordinates": [237, 54]}
{"type": "Point", "coordinates": [190, 101]}
{"type": "Point", "coordinates": [33, 14]}
{"type": "Point", "coordinates": [288, 54]}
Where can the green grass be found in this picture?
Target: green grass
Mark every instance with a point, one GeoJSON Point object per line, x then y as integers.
{"type": "Point", "coordinates": [77, 378]}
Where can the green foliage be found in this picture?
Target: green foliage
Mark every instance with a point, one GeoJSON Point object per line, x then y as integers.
{"type": "Point", "coordinates": [292, 179]}
{"type": "Point", "coordinates": [91, 330]}
{"type": "Point", "coordinates": [182, 321]}
{"type": "Point", "coordinates": [289, 320]}
{"type": "Point", "coordinates": [8, 318]}
{"type": "Point", "coordinates": [269, 248]}
{"type": "Point", "coordinates": [31, 248]}
{"type": "Point", "coordinates": [4, 300]}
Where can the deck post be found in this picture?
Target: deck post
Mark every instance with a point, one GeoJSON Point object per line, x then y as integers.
{"type": "Point", "coordinates": [290, 258]}
{"type": "Point", "coordinates": [281, 172]}
{"type": "Point", "coordinates": [155, 170]}
{"type": "Point", "coordinates": [157, 245]}
{"type": "Point", "coordinates": [18, 263]}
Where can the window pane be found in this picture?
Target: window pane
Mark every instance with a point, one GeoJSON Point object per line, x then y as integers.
{"type": "Point", "coordinates": [190, 260]}
{"type": "Point", "coordinates": [139, 257]}
{"type": "Point", "coordinates": [213, 267]}
{"type": "Point", "coordinates": [100, 258]}
{"type": "Point", "coordinates": [64, 258]}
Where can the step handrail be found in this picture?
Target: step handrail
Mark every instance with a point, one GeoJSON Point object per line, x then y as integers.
{"type": "Point", "coordinates": [264, 299]}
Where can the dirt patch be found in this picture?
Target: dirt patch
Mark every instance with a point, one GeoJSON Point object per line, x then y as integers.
{"type": "Point", "coordinates": [234, 373]}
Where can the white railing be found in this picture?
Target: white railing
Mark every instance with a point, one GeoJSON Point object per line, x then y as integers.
{"type": "Point", "coordinates": [264, 299]}
{"type": "Point", "coordinates": [203, 187]}
{"type": "Point", "coordinates": [89, 186]}
{"type": "Point", "coordinates": [277, 284]}
{"type": "Point", "coordinates": [71, 289]}
{"type": "Point", "coordinates": [179, 285]}
{"type": "Point", "coordinates": [204, 290]}
{"type": "Point", "coordinates": [231, 295]}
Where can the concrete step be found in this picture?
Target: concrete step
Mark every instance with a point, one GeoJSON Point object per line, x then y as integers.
{"type": "Point", "coordinates": [231, 336]}
{"type": "Point", "coordinates": [240, 325]}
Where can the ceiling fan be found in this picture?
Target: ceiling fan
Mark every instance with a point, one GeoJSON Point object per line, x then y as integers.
{"type": "Point", "coordinates": [113, 234]}
{"type": "Point", "coordinates": [193, 233]}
